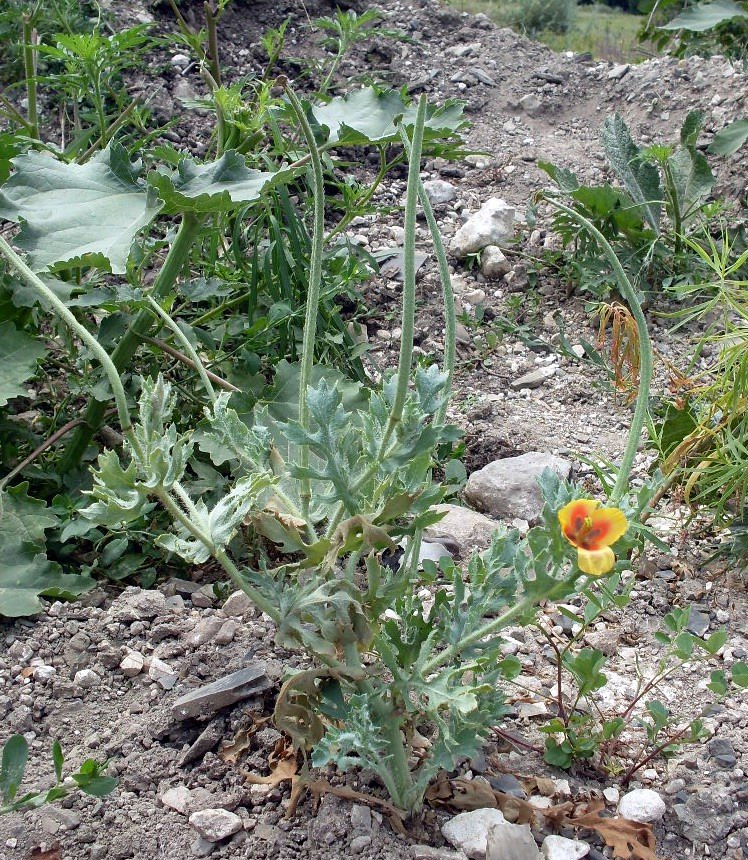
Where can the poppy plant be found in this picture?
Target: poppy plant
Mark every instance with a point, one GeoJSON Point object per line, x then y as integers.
{"type": "Point", "coordinates": [592, 530]}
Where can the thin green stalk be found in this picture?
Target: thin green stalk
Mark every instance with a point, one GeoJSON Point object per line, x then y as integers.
{"type": "Point", "coordinates": [409, 277]}
{"type": "Point", "coordinates": [496, 624]}
{"type": "Point", "coordinates": [312, 299]}
{"type": "Point", "coordinates": [450, 317]}
{"type": "Point", "coordinates": [188, 348]}
{"type": "Point", "coordinates": [12, 114]}
{"type": "Point", "coordinates": [645, 351]}
{"type": "Point", "coordinates": [130, 340]}
{"type": "Point", "coordinates": [29, 62]}
{"type": "Point", "coordinates": [211, 20]}
{"type": "Point", "coordinates": [36, 283]}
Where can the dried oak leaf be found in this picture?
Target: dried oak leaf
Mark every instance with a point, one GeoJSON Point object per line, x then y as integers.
{"type": "Point", "coordinates": [231, 751]}
{"type": "Point", "coordinates": [282, 763]}
{"type": "Point", "coordinates": [630, 840]}
{"type": "Point", "coordinates": [465, 795]}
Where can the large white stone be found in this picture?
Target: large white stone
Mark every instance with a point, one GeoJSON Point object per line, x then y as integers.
{"type": "Point", "coordinates": [641, 804]}
{"type": "Point", "coordinates": [508, 489]}
{"type": "Point", "coordinates": [561, 848]}
{"type": "Point", "coordinates": [468, 831]}
{"type": "Point", "coordinates": [215, 824]}
{"type": "Point", "coordinates": [492, 224]}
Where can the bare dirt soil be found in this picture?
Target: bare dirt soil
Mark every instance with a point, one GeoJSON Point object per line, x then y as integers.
{"type": "Point", "coordinates": [127, 717]}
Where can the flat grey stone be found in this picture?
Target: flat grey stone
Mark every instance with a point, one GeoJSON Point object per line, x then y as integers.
{"type": "Point", "coordinates": [463, 526]}
{"type": "Point", "coordinates": [533, 379]}
{"type": "Point", "coordinates": [698, 622]}
{"type": "Point", "coordinates": [203, 702]}
{"type": "Point", "coordinates": [206, 741]}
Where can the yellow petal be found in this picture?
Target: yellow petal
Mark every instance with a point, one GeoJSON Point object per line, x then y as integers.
{"type": "Point", "coordinates": [611, 523]}
{"type": "Point", "coordinates": [596, 562]}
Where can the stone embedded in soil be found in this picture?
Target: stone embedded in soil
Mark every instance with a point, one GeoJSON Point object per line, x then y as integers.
{"type": "Point", "coordinates": [360, 843]}
{"type": "Point", "coordinates": [215, 824]}
{"type": "Point", "coordinates": [509, 841]}
{"type": "Point", "coordinates": [531, 104]}
{"type": "Point", "coordinates": [468, 831]}
{"type": "Point", "coordinates": [534, 379]}
{"type": "Point", "coordinates": [162, 673]}
{"type": "Point", "coordinates": [469, 529]}
{"type": "Point", "coordinates": [132, 664]}
{"type": "Point", "coordinates": [493, 263]}
{"type": "Point", "coordinates": [207, 740]}
{"type": "Point", "coordinates": [508, 489]}
{"type": "Point", "coordinates": [203, 702]}
{"type": "Point", "coordinates": [177, 798]}
{"type": "Point", "coordinates": [136, 604]}
{"type": "Point", "coordinates": [561, 848]}
{"type": "Point", "coordinates": [438, 191]}
{"type": "Point", "coordinates": [238, 604]}
{"type": "Point", "coordinates": [642, 804]}
{"type": "Point", "coordinates": [492, 224]}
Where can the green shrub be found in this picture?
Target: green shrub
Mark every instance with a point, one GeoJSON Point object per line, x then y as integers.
{"type": "Point", "coordinates": [533, 16]}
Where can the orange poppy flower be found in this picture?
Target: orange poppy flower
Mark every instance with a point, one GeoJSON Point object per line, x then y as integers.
{"type": "Point", "coordinates": [592, 530]}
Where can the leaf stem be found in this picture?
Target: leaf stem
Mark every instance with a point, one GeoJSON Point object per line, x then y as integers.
{"type": "Point", "coordinates": [36, 283]}
{"type": "Point", "coordinates": [496, 624]}
{"type": "Point", "coordinates": [130, 340]}
{"type": "Point", "coordinates": [29, 62]}
{"type": "Point", "coordinates": [188, 348]}
{"type": "Point", "coordinates": [409, 278]}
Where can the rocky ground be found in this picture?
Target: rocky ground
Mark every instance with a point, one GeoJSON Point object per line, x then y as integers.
{"type": "Point", "coordinates": [103, 675]}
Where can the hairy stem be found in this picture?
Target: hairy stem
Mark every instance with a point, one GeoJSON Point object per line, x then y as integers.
{"type": "Point", "coordinates": [29, 62]}
{"type": "Point", "coordinates": [59, 307]}
{"type": "Point", "coordinates": [188, 348]}
{"type": "Point", "coordinates": [313, 291]}
{"type": "Point", "coordinates": [645, 350]}
{"type": "Point", "coordinates": [409, 278]}
{"type": "Point", "coordinates": [122, 355]}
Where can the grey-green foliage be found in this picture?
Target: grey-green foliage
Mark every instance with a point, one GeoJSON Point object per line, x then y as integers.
{"type": "Point", "coordinates": [19, 355]}
{"type": "Point", "coordinates": [25, 571]}
{"type": "Point", "coordinates": [640, 179]}
{"type": "Point", "coordinates": [89, 778]}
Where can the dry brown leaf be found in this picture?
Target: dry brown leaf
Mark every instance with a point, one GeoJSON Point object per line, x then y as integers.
{"type": "Point", "coordinates": [283, 766]}
{"type": "Point", "coordinates": [466, 795]}
{"type": "Point", "coordinates": [231, 751]}
{"type": "Point", "coordinates": [540, 784]}
{"type": "Point", "coordinates": [630, 840]}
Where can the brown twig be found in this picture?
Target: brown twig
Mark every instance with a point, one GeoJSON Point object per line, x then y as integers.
{"type": "Point", "coordinates": [48, 443]}
{"type": "Point", "coordinates": [180, 356]}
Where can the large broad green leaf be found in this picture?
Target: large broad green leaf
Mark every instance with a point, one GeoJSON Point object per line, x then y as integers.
{"type": "Point", "coordinates": [221, 185]}
{"type": "Point", "coordinates": [705, 16]}
{"type": "Point", "coordinates": [730, 138]}
{"type": "Point", "coordinates": [372, 116]}
{"type": "Point", "coordinates": [19, 353]}
{"type": "Point", "coordinates": [641, 180]}
{"type": "Point", "coordinates": [75, 214]}
{"type": "Point", "coordinates": [25, 570]}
